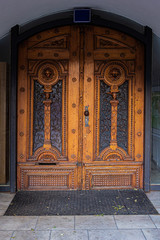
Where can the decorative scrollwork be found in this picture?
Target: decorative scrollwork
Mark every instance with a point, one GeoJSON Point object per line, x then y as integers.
{"type": "Point", "coordinates": [114, 157]}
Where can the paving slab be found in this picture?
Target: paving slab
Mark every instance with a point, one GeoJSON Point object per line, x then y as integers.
{"type": "Point", "coordinates": [151, 234]}
{"type": "Point", "coordinates": [116, 235]}
{"type": "Point", "coordinates": [6, 196]}
{"type": "Point", "coordinates": [69, 235]}
{"type": "Point", "coordinates": [94, 222]}
{"type": "Point", "coordinates": [153, 195]}
{"type": "Point", "coordinates": [134, 221]}
{"type": "Point", "coordinates": [5, 235]}
{"type": "Point", "coordinates": [4, 205]}
{"type": "Point", "coordinates": [17, 223]}
{"type": "Point", "coordinates": [5, 199]}
{"type": "Point", "coordinates": [156, 220]}
{"type": "Point", "coordinates": [55, 222]}
{"type": "Point", "coordinates": [2, 211]}
{"type": "Point", "coordinates": [31, 235]}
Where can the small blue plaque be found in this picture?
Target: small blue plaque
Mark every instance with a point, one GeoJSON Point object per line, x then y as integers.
{"type": "Point", "coordinates": [82, 15]}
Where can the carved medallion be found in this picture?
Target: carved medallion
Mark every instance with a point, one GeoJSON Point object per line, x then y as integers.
{"type": "Point", "coordinates": [139, 111]}
{"type": "Point", "coordinates": [122, 55]}
{"type": "Point", "coordinates": [139, 134]}
{"type": "Point", "coordinates": [73, 105]}
{"type": "Point", "coordinates": [48, 74]}
{"type": "Point", "coordinates": [73, 131]}
{"type": "Point", "coordinates": [22, 67]}
{"type": "Point", "coordinates": [21, 156]}
{"type": "Point", "coordinates": [21, 111]}
{"type": "Point", "coordinates": [114, 75]}
{"type": "Point", "coordinates": [74, 79]}
{"type": "Point", "coordinates": [40, 54]}
{"type": "Point", "coordinates": [22, 89]}
{"type": "Point", "coordinates": [106, 55]}
{"type": "Point", "coordinates": [56, 54]}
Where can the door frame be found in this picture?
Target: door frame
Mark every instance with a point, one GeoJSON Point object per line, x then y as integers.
{"type": "Point", "coordinates": [64, 19]}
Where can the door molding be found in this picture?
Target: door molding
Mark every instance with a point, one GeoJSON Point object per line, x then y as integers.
{"type": "Point", "coordinates": [97, 19]}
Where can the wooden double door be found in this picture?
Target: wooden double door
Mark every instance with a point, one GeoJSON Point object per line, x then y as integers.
{"type": "Point", "coordinates": [80, 110]}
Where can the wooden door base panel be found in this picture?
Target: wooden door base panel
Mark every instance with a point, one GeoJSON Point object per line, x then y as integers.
{"type": "Point", "coordinates": [113, 177]}
{"type": "Point", "coordinates": [47, 178]}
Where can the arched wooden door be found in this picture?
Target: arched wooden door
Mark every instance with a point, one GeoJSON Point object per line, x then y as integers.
{"type": "Point", "coordinates": [80, 110]}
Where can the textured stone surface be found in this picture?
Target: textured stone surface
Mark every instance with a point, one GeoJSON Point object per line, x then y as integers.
{"type": "Point", "coordinates": [55, 222]}
{"type": "Point", "coordinates": [31, 235]}
{"type": "Point", "coordinates": [69, 235]}
{"type": "Point", "coordinates": [156, 220]}
{"type": "Point", "coordinates": [132, 221]}
{"type": "Point", "coordinates": [152, 234]}
{"type": "Point", "coordinates": [5, 235]}
{"type": "Point", "coordinates": [17, 223]}
{"type": "Point", "coordinates": [116, 235]}
{"type": "Point", "coordinates": [94, 222]}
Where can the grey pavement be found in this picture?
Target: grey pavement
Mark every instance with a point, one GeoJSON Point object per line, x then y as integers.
{"type": "Point", "coordinates": [107, 227]}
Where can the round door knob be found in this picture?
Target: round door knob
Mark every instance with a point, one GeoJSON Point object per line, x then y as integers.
{"type": "Point", "coordinates": [86, 113]}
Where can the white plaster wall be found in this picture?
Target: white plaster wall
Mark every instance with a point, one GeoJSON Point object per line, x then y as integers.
{"type": "Point", "coordinates": [12, 12]}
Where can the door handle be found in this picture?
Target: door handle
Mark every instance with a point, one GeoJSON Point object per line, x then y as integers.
{"type": "Point", "coordinates": [86, 114]}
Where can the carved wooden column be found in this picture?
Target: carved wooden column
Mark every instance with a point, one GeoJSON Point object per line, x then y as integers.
{"type": "Point", "coordinates": [47, 121]}
{"type": "Point", "coordinates": [47, 76]}
{"type": "Point", "coordinates": [114, 104]}
{"type": "Point", "coordinates": [114, 76]}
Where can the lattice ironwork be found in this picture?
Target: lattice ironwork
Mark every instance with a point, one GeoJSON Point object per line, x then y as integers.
{"type": "Point", "coordinates": [122, 117]}
{"type": "Point", "coordinates": [105, 116]}
{"type": "Point", "coordinates": [38, 116]}
{"type": "Point", "coordinates": [56, 116]}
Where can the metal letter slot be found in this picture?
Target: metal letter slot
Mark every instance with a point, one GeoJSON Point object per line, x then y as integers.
{"type": "Point", "coordinates": [86, 113]}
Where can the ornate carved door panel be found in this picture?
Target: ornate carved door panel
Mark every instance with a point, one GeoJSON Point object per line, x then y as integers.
{"type": "Point", "coordinates": [80, 110]}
